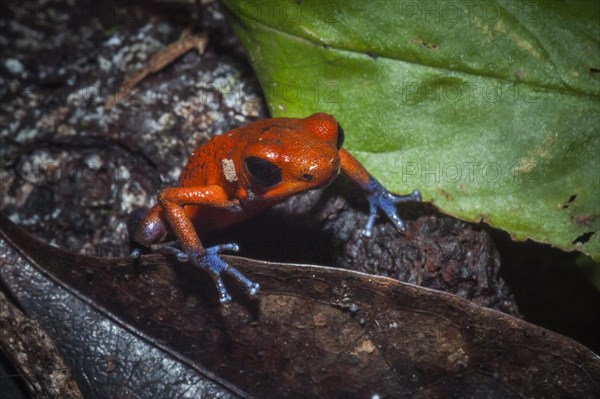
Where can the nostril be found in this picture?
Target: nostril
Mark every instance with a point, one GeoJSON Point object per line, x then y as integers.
{"type": "Point", "coordinates": [307, 177]}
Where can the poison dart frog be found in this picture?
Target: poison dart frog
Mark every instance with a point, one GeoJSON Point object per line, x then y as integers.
{"type": "Point", "coordinates": [239, 173]}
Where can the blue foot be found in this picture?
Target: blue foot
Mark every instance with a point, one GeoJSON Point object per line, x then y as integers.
{"type": "Point", "coordinates": [380, 198]}
{"type": "Point", "coordinates": [170, 248]}
{"type": "Point", "coordinates": [211, 262]}
{"type": "Point", "coordinates": [135, 253]}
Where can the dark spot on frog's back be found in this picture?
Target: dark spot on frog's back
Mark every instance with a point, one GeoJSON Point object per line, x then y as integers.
{"type": "Point", "coordinates": [272, 127]}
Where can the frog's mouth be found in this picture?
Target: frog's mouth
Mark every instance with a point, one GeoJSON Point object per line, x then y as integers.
{"type": "Point", "coordinates": [285, 191]}
{"type": "Point", "coordinates": [327, 182]}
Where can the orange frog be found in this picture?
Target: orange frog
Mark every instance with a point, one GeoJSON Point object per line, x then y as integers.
{"type": "Point", "coordinates": [237, 174]}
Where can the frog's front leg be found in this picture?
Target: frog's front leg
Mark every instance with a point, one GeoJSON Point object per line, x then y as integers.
{"type": "Point", "coordinates": [378, 196]}
{"type": "Point", "coordinates": [172, 202]}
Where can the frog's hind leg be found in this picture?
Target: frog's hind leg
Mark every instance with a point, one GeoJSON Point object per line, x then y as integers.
{"type": "Point", "coordinates": [167, 248]}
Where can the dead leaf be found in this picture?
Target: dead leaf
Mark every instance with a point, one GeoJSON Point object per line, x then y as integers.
{"type": "Point", "coordinates": [323, 332]}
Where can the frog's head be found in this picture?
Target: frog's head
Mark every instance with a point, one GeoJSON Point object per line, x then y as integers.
{"type": "Point", "coordinates": [293, 156]}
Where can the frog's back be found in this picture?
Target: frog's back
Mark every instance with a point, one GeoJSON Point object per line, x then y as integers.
{"type": "Point", "coordinates": [204, 166]}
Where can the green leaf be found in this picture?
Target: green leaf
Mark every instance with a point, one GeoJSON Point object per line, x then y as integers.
{"type": "Point", "coordinates": [491, 109]}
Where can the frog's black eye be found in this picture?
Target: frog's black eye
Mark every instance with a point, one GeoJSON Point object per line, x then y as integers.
{"type": "Point", "coordinates": [340, 137]}
{"type": "Point", "coordinates": [262, 172]}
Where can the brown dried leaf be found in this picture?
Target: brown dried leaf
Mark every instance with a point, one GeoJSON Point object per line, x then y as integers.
{"type": "Point", "coordinates": [322, 332]}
